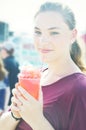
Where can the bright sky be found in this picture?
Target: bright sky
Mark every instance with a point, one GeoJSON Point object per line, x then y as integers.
{"type": "Point", "coordinates": [20, 13]}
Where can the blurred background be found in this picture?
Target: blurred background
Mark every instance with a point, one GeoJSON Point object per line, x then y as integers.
{"type": "Point", "coordinates": [16, 25]}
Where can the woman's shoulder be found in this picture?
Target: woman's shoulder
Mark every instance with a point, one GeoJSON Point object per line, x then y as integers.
{"type": "Point", "coordinates": [80, 79]}
{"type": "Point", "coordinates": [79, 87]}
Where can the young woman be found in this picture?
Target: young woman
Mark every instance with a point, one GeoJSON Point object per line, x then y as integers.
{"type": "Point", "coordinates": [63, 83]}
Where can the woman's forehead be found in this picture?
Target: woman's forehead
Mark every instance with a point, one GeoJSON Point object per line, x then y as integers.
{"type": "Point", "coordinates": [51, 15]}
{"type": "Point", "coordinates": [49, 19]}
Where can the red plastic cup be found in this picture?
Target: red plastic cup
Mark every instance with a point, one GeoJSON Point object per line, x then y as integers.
{"type": "Point", "coordinates": [30, 81]}
{"type": "Point", "coordinates": [31, 86]}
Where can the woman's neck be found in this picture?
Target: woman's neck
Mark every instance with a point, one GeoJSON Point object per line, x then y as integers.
{"type": "Point", "coordinates": [63, 67]}
{"type": "Point", "coordinates": [57, 70]}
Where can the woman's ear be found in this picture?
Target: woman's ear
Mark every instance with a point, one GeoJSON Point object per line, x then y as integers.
{"type": "Point", "coordinates": [74, 35]}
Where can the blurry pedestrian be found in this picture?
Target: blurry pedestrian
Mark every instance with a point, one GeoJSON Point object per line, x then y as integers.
{"type": "Point", "coordinates": [12, 66]}
{"type": "Point", "coordinates": [4, 88]}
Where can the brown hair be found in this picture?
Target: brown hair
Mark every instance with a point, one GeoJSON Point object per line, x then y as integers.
{"type": "Point", "coordinates": [78, 53]}
{"type": "Point", "coordinates": [3, 72]}
{"type": "Point", "coordinates": [69, 19]}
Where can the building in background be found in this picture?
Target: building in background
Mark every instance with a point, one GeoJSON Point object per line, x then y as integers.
{"type": "Point", "coordinates": [4, 31]}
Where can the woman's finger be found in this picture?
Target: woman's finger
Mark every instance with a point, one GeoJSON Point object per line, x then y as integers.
{"type": "Point", "coordinates": [25, 94]}
{"type": "Point", "coordinates": [16, 102]}
{"type": "Point", "coordinates": [14, 107]}
{"type": "Point", "coordinates": [13, 91]}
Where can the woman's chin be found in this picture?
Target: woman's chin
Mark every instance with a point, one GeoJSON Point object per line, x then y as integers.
{"type": "Point", "coordinates": [45, 60]}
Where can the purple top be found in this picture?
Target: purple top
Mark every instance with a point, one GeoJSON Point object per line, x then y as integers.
{"type": "Point", "coordinates": [64, 103]}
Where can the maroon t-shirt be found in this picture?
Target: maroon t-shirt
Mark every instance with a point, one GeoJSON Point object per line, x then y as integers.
{"type": "Point", "coordinates": [64, 104]}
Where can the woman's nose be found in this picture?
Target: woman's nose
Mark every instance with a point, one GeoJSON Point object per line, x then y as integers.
{"type": "Point", "coordinates": [44, 40]}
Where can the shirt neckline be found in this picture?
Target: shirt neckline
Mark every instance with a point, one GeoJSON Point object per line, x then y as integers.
{"type": "Point", "coordinates": [63, 78]}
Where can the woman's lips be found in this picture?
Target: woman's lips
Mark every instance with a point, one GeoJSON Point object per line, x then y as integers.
{"type": "Point", "coordinates": [45, 50]}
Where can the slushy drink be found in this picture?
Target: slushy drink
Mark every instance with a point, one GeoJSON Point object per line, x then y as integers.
{"type": "Point", "coordinates": [29, 79]}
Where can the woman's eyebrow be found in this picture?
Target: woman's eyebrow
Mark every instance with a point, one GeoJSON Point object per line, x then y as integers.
{"type": "Point", "coordinates": [52, 28]}
{"type": "Point", "coordinates": [37, 28]}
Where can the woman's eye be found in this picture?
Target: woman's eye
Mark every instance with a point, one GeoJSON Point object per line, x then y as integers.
{"type": "Point", "coordinates": [37, 32]}
{"type": "Point", "coordinates": [54, 33]}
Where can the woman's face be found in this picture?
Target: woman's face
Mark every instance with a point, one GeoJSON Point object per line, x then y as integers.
{"type": "Point", "coordinates": [52, 36]}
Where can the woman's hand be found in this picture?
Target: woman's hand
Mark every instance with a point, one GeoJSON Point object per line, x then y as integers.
{"type": "Point", "coordinates": [14, 108]}
{"type": "Point", "coordinates": [30, 109]}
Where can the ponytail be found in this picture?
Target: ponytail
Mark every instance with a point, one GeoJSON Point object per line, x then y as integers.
{"type": "Point", "coordinates": [77, 56]}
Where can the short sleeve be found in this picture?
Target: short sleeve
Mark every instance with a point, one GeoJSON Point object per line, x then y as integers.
{"type": "Point", "coordinates": [77, 117]}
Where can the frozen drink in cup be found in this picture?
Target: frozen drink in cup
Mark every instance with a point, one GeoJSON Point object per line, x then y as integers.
{"type": "Point", "coordinates": [29, 79]}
